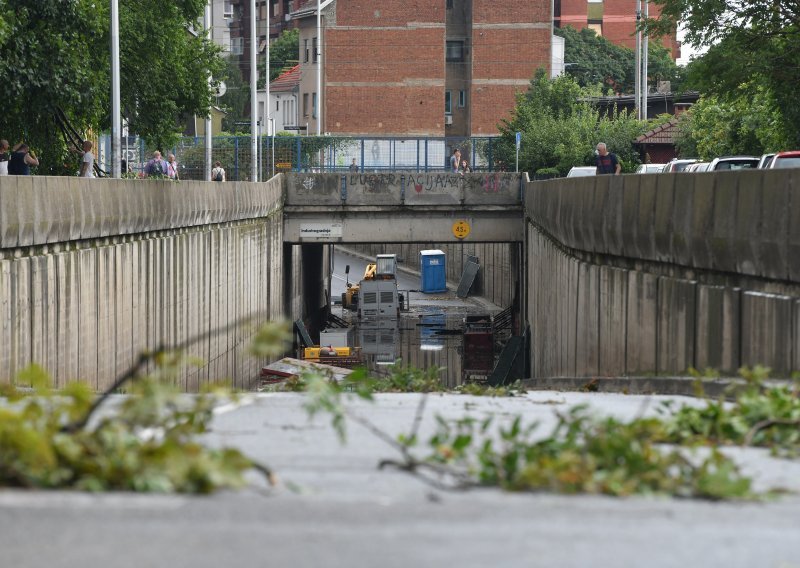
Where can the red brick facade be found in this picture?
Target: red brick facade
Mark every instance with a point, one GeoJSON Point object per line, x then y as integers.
{"type": "Point", "coordinates": [617, 20]}
{"type": "Point", "coordinates": [386, 72]}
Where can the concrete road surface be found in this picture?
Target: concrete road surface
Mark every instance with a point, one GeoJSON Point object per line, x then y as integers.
{"type": "Point", "coordinates": [335, 509]}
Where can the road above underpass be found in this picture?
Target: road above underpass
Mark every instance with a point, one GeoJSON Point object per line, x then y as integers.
{"type": "Point", "coordinates": [335, 508]}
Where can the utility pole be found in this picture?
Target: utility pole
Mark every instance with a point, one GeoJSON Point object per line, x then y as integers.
{"type": "Point", "coordinates": [645, 62]}
{"type": "Point", "coordinates": [268, 120]}
{"type": "Point", "coordinates": [638, 73]}
{"type": "Point", "coordinates": [209, 155]}
{"type": "Point", "coordinates": [116, 123]}
{"type": "Point", "coordinates": [253, 94]}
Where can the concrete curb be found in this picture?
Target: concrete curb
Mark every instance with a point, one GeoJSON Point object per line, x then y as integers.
{"type": "Point", "coordinates": [677, 386]}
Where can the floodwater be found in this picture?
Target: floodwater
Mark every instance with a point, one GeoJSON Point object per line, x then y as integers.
{"type": "Point", "coordinates": [429, 332]}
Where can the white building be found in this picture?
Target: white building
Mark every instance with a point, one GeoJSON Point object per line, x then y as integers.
{"type": "Point", "coordinates": [284, 92]}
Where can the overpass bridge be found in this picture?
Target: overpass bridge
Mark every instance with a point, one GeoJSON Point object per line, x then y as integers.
{"type": "Point", "coordinates": [403, 207]}
{"type": "Point", "coordinates": [630, 275]}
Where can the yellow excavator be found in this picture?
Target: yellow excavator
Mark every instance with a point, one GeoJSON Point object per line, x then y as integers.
{"type": "Point", "coordinates": [350, 297]}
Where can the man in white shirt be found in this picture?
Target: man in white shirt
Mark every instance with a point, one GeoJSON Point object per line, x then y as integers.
{"type": "Point", "coordinates": [87, 161]}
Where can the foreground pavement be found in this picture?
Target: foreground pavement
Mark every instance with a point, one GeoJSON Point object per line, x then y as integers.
{"type": "Point", "coordinates": [334, 508]}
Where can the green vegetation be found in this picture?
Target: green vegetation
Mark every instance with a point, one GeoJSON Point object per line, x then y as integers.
{"type": "Point", "coordinates": [582, 454]}
{"type": "Point", "coordinates": [54, 57]}
{"type": "Point", "coordinates": [148, 444]}
{"type": "Point", "coordinates": [561, 128]}
{"type": "Point", "coordinates": [752, 48]}
{"type": "Point", "coordinates": [283, 54]}
{"type": "Point", "coordinates": [760, 415]}
{"type": "Point", "coordinates": [593, 60]}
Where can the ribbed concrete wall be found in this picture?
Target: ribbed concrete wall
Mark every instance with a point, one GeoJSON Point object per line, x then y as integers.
{"type": "Point", "coordinates": [94, 272]}
{"type": "Point", "coordinates": [640, 275]}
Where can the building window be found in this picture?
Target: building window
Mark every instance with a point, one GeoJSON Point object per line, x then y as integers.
{"type": "Point", "coordinates": [314, 49]}
{"type": "Point", "coordinates": [462, 98]}
{"type": "Point", "coordinates": [455, 50]}
{"type": "Point", "coordinates": [305, 104]}
{"type": "Point", "coordinates": [277, 105]}
{"type": "Point", "coordinates": [449, 4]}
{"type": "Point", "coordinates": [596, 27]}
{"type": "Point", "coordinates": [261, 109]}
{"type": "Point", "coordinates": [448, 102]}
{"type": "Point", "coordinates": [314, 105]}
{"type": "Point", "coordinates": [262, 12]}
{"type": "Point", "coordinates": [227, 10]}
{"type": "Point", "coordinates": [237, 45]}
{"type": "Point", "coordinates": [305, 50]}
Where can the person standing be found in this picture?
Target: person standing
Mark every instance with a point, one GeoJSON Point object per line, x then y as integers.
{"type": "Point", "coordinates": [156, 167]}
{"type": "Point", "coordinates": [465, 169]}
{"type": "Point", "coordinates": [354, 167]}
{"type": "Point", "coordinates": [4, 157]}
{"type": "Point", "coordinates": [455, 161]}
{"type": "Point", "coordinates": [87, 161]}
{"type": "Point", "coordinates": [218, 173]}
{"type": "Point", "coordinates": [172, 167]}
{"type": "Point", "coordinates": [21, 160]}
{"type": "Point", "coordinates": [606, 162]}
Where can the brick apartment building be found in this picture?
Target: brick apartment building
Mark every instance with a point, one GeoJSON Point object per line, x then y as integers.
{"type": "Point", "coordinates": [615, 20]}
{"type": "Point", "coordinates": [420, 67]}
{"type": "Point", "coordinates": [231, 26]}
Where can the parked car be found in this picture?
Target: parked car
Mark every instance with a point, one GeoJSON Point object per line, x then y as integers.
{"type": "Point", "coordinates": [786, 160]}
{"type": "Point", "coordinates": [697, 167]}
{"type": "Point", "coordinates": [582, 171]}
{"type": "Point", "coordinates": [679, 165]}
{"type": "Point", "coordinates": [733, 163]}
{"type": "Point", "coordinates": [650, 168]}
{"type": "Point", "coordinates": [765, 161]}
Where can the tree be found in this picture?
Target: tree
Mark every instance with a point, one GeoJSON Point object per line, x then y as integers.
{"type": "Point", "coordinates": [48, 61]}
{"type": "Point", "coordinates": [560, 129]}
{"type": "Point", "coordinates": [750, 45]}
{"type": "Point", "coordinates": [284, 53]}
{"type": "Point", "coordinates": [54, 57]}
{"type": "Point", "coordinates": [745, 125]}
{"type": "Point", "coordinates": [236, 100]}
{"type": "Point", "coordinates": [594, 60]}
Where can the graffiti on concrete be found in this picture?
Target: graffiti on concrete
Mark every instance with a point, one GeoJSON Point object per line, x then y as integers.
{"type": "Point", "coordinates": [308, 183]}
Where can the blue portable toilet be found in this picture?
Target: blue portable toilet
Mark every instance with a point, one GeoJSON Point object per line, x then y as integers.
{"type": "Point", "coordinates": [432, 271]}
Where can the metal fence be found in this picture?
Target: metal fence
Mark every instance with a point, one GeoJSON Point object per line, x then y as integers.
{"type": "Point", "coordinates": [313, 154]}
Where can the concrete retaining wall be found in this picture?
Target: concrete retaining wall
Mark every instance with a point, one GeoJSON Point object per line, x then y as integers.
{"type": "Point", "coordinates": [94, 272]}
{"type": "Point", "coordinates": [653, 274]}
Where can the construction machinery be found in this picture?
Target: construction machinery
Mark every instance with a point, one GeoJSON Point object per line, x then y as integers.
{"type": "Point", "coordinates": [350, 297]}
{"type": "Point", "coordinates": [378, 296]}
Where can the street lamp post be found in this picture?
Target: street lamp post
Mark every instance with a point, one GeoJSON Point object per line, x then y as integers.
{"type": "Point", "coordinates": [272, 142]}
{"type": "Point", "coordinates": [209, 140]}
{"type": "Point", "coordinates": [116, 125]}
{"type": "Point", "coordinates": [253, 94]}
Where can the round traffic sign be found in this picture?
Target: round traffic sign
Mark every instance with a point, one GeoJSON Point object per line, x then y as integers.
{"type": "Point", "coordinates": [461, 229]}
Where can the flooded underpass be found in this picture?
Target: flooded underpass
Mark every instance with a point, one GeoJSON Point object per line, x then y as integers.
{"type": "Point", "coordinates": [429, 332]}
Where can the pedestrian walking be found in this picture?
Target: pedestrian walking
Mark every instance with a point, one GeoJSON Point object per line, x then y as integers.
{"type": "Point", "coordinates": [156, 167]}
{"type": "Point", "coordinates": [21, 160]}
{"type": "Point", "coordinates": [87, 161]}
{"type": "Point", "coordinates": [606, 162]}
{"type": "Point", "coordinates": [218, 173]}
{"type": "Point", "coordinates": [172, 167]}
{"type": "Point", "coordinates": [4, 155]}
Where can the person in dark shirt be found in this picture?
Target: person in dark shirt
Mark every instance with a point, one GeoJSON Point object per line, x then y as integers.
{"type": "Point", "coordinates": [606, 162]}
{"type": "Point", "coordinates": [21, 160]}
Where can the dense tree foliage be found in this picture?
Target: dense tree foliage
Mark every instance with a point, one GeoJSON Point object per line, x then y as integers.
{"type": "Point", "coordinates": [752, 46]}
{"type": "Point", "coordinates": [284, 54]}
{"type": "Point", "coordinates": [594, 60]}
{"type": "Point", "coordinates": [54, 55]}
{"type": "Point", "coordinates": [745, 125]}
{"type": "Point", "coordinates": [560, 129]}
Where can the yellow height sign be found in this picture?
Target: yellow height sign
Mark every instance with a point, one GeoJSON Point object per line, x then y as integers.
{"type": "Point", "coordinates": [461, 229]}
